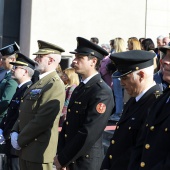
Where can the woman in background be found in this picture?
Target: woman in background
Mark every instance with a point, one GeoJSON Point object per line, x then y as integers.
{"type": "Point", "coordinates": [134, 44]}
{"type": "Point", "coordinates": [71, 81]}
{"type": "Point", "coordinates": [118, 91]}
{"type": "Point", "coordinates": [148, 45]}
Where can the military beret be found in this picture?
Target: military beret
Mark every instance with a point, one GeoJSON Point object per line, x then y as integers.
{"type": "Point", "coordinates": [85, 47]}
{"type": "Point", "coordinates": [164, 49]}
{"type": "Point", "coordinates": [22, 60]}
{"type": "Point", "coordinates": [48, 48]}
{"type": "Point", "coordinates": [130, 61]}
{"type": "Point", "coordinates": [10, 49]}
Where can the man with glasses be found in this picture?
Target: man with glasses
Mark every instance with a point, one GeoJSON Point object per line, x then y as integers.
{"type": "Point", "coordinates": [22, 71]}
{"type": "Point", "coordinates": [152, 150]}
{"type": "Point", "coordinates": [135, 70]}
{"type": "Point", "coordinates": [35, 133]}
{"type": "Point", "coordinates": [7, 85]}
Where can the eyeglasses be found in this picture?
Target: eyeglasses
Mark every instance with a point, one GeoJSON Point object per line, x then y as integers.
{"type": "Point", "coordinates": [41, 56]}
{"type": "Point", "coordinates": [15, 67]}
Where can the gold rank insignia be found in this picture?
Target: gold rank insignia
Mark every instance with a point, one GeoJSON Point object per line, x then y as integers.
{"type": "Point", "coordinates": [157, 94]}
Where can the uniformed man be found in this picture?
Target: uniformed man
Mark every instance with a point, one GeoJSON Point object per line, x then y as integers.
{"type": "Point", "coordinates": [35, 133]}
{"type": "Point", "coordinates": [152, 151]}
{"type": "Point", "coordinates": [91, 104]}
{"type": "Point", "coordinates": [135, 70]}
{"type": "Point", "coordinates": [7, 85]}
{"type": "Point", "coordinates": [22, 71]}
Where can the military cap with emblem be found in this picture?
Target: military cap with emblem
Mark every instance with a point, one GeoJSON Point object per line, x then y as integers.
{"type": "Point", "coordinates": [48, 48]}
{"type": "Point", "coordinates": [86, 47]}
{"type": "Point", "coordinates": [22, 60]}
{"type": "Point", "coordinates": [130, 61]}
{"type": "Point", "coordinates": [164, 48]}
{"type": "Point", "coordinates": [10, 49]}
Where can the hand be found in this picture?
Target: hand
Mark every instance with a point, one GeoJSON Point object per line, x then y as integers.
{"type": "Point", "coordinates": [2, 139]}
{"type": "Point", "coordinates": [14, 140]}
{"type": "Point", "coordinates": [57, 164]}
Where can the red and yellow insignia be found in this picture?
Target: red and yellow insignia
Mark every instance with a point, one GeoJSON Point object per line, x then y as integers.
{"type": "Point", "coordinates": [101, 108]}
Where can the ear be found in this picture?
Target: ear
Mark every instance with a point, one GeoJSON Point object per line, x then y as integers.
{"type": "Point", "coordinates": [141, 74]}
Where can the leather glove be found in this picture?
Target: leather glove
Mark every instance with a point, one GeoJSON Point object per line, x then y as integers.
{"type": "Point", "coordinates": [14, 140]}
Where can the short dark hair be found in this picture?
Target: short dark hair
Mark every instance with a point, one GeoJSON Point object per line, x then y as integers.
{"type": "Point", "coordinates": [148, 44]}
{"type": "Point", "coordinates": [98, 61]}
{"type": "Point", "coordinates": [95, 40]}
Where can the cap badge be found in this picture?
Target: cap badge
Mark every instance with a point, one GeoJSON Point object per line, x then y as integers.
{"type": "Point", "coordinates": [39, 45]}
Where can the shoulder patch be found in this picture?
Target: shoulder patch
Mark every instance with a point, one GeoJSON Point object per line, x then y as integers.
{"type": "Point", "coordinates": [101, 108]}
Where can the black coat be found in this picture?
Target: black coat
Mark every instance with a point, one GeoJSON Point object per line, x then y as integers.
{"type": "Point", "coordinates": [13, 111]}
{"type": "Point", "coordinates": [124, 137]}
{"type": "Point", "coordinates": [80, 141]}
{"type": "Point", "coordinates": [152, 151]}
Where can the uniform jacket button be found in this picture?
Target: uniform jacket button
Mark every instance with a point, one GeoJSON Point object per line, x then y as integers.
{"type": "Point", "coordinates": [67, 123]}
{"type": "Point", "coordinates": [117, 127]}
{"type": "Point", "coordinates": [152, 128]}
{"type": "Point", "coordinates": [129, 128]}
{"type": "Point", "coordinates": [142, 164]}
{"type": "Point", "coordinates": [110, 156]}
{"type": "Point", "coordinates": [35, 139]}
{"type": "Point", "coordinates": [147, 146]}
{"type": "Point", "coordinates": [65, 135]}
{"type": "Point", "coordinates": [76, 111]}
{"type": "Point", "coordinates": [113, 142]}
{"type": "Point", "coordinates": [87, 156]}
{"type": "Point", "coordinates": [166, 129]}
{"type": "Point", "coordinates": [69, 110]}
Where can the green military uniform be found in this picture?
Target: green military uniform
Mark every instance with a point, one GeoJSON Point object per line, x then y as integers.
{"type": "Point", "coordinates": [7, 89]}
{"type": "Point", "coordinates": [39, 115]}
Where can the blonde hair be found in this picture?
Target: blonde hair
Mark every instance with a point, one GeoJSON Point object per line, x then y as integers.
{"type": "Point", "coordinates": [72, 76]}
{"type": "Point", "coordinates": [134, 42]}
{"type": "Point", "coordinates": [119, 45]}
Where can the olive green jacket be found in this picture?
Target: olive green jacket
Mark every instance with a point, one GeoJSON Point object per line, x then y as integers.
{"type": "Point", "coordinates": [38, 120]}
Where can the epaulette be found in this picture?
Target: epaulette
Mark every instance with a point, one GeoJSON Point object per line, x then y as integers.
{"type": "Point", "coordinates": [157, 93]}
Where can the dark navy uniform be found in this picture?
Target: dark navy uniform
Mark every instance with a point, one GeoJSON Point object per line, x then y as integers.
{"type": "Point", "coordinates": [152, 151]}
{"type": "Point", "coordinates": [8, 122]}
{"type": "Point", "coordinates": [80, 141]}
{"type": "Point", "coordinates": [125, 135]}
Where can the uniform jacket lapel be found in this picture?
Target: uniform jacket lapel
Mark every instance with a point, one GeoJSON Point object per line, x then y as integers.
{"type": "Point", "coordinates": [79, 93]}
{"type": "Point", "coordinates": [132, 108]}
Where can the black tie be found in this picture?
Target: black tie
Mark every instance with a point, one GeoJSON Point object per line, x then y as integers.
{"type": "Point", "coordinates": [80, 86]}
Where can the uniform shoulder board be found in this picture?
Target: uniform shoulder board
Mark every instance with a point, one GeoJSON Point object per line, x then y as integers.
{"type": "Point", "coordinates": [157, 93]}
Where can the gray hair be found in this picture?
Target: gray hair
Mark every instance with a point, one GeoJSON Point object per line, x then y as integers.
{"type": "Point", "coordinates": [29, 70]}
{"type": "Point", "coordinates": [149, 71]}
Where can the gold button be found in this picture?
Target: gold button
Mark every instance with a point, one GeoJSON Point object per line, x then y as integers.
{"type": "Point", "coordinates": [113, 142]}
{"type": "Point", "coordinates": [117, 127]}
{"type": "Point", "coordinates": [166, 129]}
{"type": "Point", "coordinates": [69, 110]}
{"type": "Point", "coordinates": [77, 111]}
{"type": "Point", "coordinates": [152, 128]}
{"type": "Point", "coordinates": [35, 139]}
{"type": "Point", "coordinates": [142, 164]}
{"type": "Point", "coordinates": [73, 162]}
{"type": "Point", "coordinates": [137, 68]}
{"type": "Point", "coordinates": [22, 101]}
{"type": "Point", "coordinates": [67, 123]}
{"type": "Point", "coordinates": [87, 156]}
{"type": "Point", "coordinates": [65, 135]}
{"type": "Point", "coordinates": [19, 111]}
{"type": "Point", "coordinates": [79, 102]}
{"type": "Point", "coordinates": [129, 128]}
{"type": "Point", "coordinates": [110, 156]}
{"type": "Point", "coordinates": [146, 125]}
{"type": "Point", "coordinates": [147, 146]}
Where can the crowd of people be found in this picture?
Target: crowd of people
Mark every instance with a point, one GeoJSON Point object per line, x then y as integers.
{"type": "Point", "coordinates": [37, 97]}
